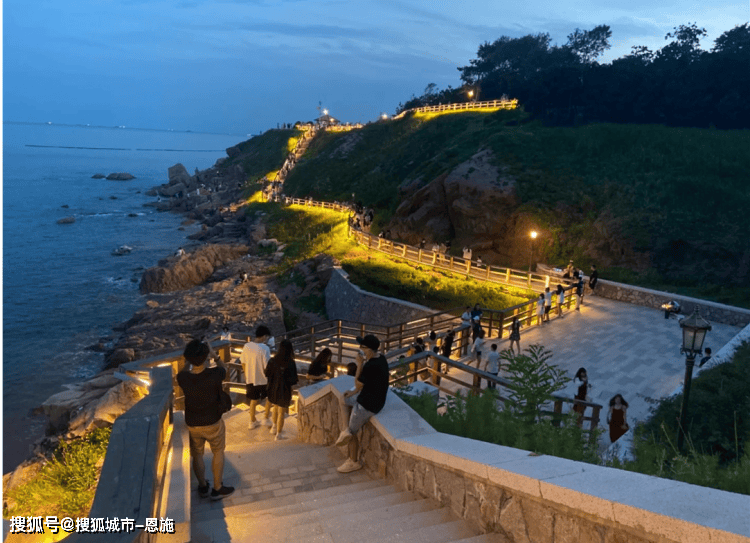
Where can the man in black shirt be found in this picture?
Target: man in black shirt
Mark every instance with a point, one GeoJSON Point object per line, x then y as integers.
{"type": "Point", "coordinates": [201, 386]}
{"type": "Point", "coordinates": [367, 398]}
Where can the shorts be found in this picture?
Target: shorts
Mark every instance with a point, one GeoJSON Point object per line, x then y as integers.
{"type": "Point", "coordinates": [257, 392]}
{"type": "Point", "coordinates": [358, 418]}
{"type": "Point", "coordinates": [547, 308]}
{"type": "Point", "coordinates": [215, 434]}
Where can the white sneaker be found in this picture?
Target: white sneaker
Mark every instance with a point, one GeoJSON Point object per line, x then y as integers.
{"type": "Point", "coordinates": [272, 430]}
{"type": "Point", "coordinates": [268, 422]}
{"type": "Point", "coordinates": [349, 466]}
{"type": "Point", "coordinates": [279, 437]}
{"type": "Point", "coordinates": [253, 425]}
{"type": "Point", "coordinates": [344, 438]}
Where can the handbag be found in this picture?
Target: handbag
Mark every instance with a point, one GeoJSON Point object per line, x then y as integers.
{"type": "Point", "coordinates": [225, 401]}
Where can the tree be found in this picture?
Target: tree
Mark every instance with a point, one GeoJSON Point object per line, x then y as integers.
{"type": "Point", "coordinates": [589, 44]}
{"type": "Point", "coordinates": [734, 42]}
{"type": "Point", "coordinates": [534, 380]}
{"type": "Point", "coordinates": [686, 44]}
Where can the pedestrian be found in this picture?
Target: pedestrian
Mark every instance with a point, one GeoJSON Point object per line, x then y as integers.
{"type": "Point", "coordinates": [319, 366]}
{"type": "Point", "coordinates": [617, 418]}
{"type": "Point", "coordinates": [366, 399]}
{"type": "Point", "coordinates": [593, 278]}
{"type": "Point", "coordinates": [476, 327]}
{"type": "Point", "coordinates": [226, 335]}
{"type": "Point", "coordinates": [578, 282]}
{"type": "Point", "coordinates": [254, 357]}
{"type": "Point", "coordinates": [547, 303]}
{"type": "Point", "coordinates": [581, 380]}
{"type": "Point", "coordinates": [515, 335]}
{"type": "Point", "coordinates": [560, 299]}
{"type": "Point", "coordinates": [447, 347]}
{"type": "Point", "coordinates": [540, 309]}
{"type": "Point", "coordinates": [493, 365]}
{"type": "Point", "coordinates": [467, 253]}
{"type": "Point", "coordinates": [466, 316]}
{"type": "Point", "coordinates": [705, 358]}
{"type": "Point", "coordinates": [202, 386]}
{"type": "Point", "coordinates": [476, 312]}
{"type": "Point", "coordinates": [281, 373]}
{"type": "Point", "coordinates": [422, 243]}
{"type": "Point", "coordinates": [478, 346]}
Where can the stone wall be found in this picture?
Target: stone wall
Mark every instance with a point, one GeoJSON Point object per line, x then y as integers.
{"type": "Point", "coordinates": [711, 311]}
{"type": "Point", "coordinates": [525, 497]}
{"type": "Point", "coordinates": [349, 302]}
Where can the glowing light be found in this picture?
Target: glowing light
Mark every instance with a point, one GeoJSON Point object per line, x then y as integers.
{"type": "Point", "coordinates": [325, 112]}
{"type": "Point", "coordinates": [533, 234]}
{"type": "Point", "coordinates": [471, 94]}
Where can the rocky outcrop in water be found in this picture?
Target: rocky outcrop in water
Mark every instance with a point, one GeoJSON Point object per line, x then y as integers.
{"type": "Point", "coordinates": [121, 176]}
{"type": "Point", "coordinates": [179, 273]}
{"type": "Point", "coordinates": [66, 220]}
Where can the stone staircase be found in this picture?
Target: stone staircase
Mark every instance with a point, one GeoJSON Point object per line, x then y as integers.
{"type": "Point", "coordinates": [291, 491]}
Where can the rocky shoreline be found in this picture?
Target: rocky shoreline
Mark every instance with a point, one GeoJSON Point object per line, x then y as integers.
{"type": "Point", "coordinates": [185, 295]}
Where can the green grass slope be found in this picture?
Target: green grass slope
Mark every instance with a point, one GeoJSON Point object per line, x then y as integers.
{"type": "Point", "coordinates": [676, 195]}
{"type": "Point", "coordinates": [262, 154]}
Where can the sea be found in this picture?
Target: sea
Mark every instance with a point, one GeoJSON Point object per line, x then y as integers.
{"type": "Point", "coordinates": [63, 289]}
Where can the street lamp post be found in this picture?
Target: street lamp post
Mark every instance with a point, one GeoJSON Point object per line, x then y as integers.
{"type": "Point", "coordinates": [694, 330]}
{"type": "Point", "coordinates": [533, 234]}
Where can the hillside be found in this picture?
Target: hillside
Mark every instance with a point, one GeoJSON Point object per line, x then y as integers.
{"type": "Point", "coordinates": [648, 204]}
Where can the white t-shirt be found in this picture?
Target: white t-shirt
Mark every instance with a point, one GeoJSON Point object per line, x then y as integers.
{"type": "Point", "coordinates": [478, 345]}
{"type": "Point", "coordinates": [466, 317]}
{"type": "Point", "coordinates": [548, 298]}
{"type": "Point", "coordinates": [254, 358]}
{"type": "Point", "coordinates": [493, 362]}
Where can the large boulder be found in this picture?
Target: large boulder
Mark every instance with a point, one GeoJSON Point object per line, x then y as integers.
{"type": "Point", "coordinates": [66, 220]}
{"type": "Point", "coordinates": [103, 411]}
{"type": "Point", "coordinates": [60, 407]}
{"type": "Point", "coordinates": [191, 270]}
{"type": "Point", "coordinates": [178, 174]}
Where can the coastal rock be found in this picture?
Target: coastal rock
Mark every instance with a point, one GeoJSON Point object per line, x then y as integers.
{"type": "Point", "coordinates": [178, 174]}
{"type": "Point", "coordinates": [102, 412]}
{"type": "Point", "coordinates": [98, 176]}
{"type": "Point", "coordinates": [192, 270]}
{"type": "Point", "coordinates": [66, 220]}
{"type": "Point", "coordinates": [121, 356]}
{"type": "Point", "coordinates": [120, 176]}
{"type": "Point", "coordinates": [59, 407]}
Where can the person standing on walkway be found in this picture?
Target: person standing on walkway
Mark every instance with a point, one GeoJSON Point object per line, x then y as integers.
{"type": "Point", "coordinates": [281, 373]}
{"type": "Point", "coordinates": [560, 300]}
{"type": "Point", "coordinates": [617, 418]}
{"type": "Point", "coordinates": [447, 348]}
{"type": "Point", "coordinates": [705, 358]}
{"type": "Point", "coordinates": [466, 316]}
{"type": "Point", "coordinates": [476, 312]}
{"type": "Point", "coordinates": [466, 253]}
{"type": "Point", "coordinates": [366, 399]}
{"type": "Point", "coordinates": [202, 386]}
{"type": "Point", "coordinates": [547, 303]}
{"type": "Point", "coordinates": [478, 346]}
{"type": "Point", "coordinates": [493, 364]}
{"type": "Point", "coordinates": [593, 278]}
{"type": "Point", "coordinates": [515, 335]}
{"type": "Point", "coordinates": [581, 380]}
{"type": "Point", "coordinates": [254, 357]}
{"type": "Point", "coordinates": [578, 282]}
{"type": "Point", "coordinates": [540, 310]}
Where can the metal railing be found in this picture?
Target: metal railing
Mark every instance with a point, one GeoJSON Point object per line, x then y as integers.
{"type": "Point", "coordinates": [499, 104]}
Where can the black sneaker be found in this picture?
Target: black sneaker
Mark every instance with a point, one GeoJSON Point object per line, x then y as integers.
{"type": "Point", "coordinates": [222, 493]}
{"type": "Point", "coordinates": [203, 490]}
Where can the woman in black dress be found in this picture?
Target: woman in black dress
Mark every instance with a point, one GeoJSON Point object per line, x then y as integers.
{"type": "Point", "coordinates": [515, 334]}
{"type": "Point", "coordinates": [582, 381]}
{"type": "Point", "coordinates": [281, 372]}
{"type": "Point", "coordinates": [319, 367]}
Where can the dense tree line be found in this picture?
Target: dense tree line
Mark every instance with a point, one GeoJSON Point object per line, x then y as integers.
{"type": "Point", "coordinates": [678, 85]}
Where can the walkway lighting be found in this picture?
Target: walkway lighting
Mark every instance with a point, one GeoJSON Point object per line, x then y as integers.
{"type": "Point", "coordinates": [694, 329]}
{"type": "Point", "coordinates": [533, 234]}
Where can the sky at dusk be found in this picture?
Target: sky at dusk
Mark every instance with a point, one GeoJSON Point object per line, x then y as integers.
{"type": "Point", "coordinates": [241, 66]}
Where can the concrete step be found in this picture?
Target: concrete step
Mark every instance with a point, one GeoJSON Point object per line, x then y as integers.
{"type": "Point", "coordinates": [384, 528]}
{"type": "Point", "coordinates": [335, 497]}
{"type": "Point", "coordinates": [311, 495]}
{"type": "Point", "coordinates": [323, 521]}
{"type": "Point", "coordinates": [445, 532]}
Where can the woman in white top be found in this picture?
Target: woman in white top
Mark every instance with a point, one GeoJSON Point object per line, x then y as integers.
{"type": "Point", "coordinates": [560, 299]}
{"type": "Point", "coordinates": [479, 346]}
{"type": "Point", "coordinates": [540, 309]}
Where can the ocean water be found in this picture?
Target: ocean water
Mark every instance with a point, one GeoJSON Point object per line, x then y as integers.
{"type": "Point", "coordinates": [62, 288]}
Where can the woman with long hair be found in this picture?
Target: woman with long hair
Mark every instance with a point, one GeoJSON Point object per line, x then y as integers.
{"type": "Point", "coordinates": [281, 373]}
{"type": "Point", "coordinates": [515, 334]}
{"type": "Point", "coordinates": [319, 367]}
{"type": "Point", "coordinates": [582, 381]}
{"type": "Point", "coordinates": [617, 418]}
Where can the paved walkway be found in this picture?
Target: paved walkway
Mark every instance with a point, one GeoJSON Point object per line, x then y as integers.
{"type": "Point", "coordinates": [627, 349]}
